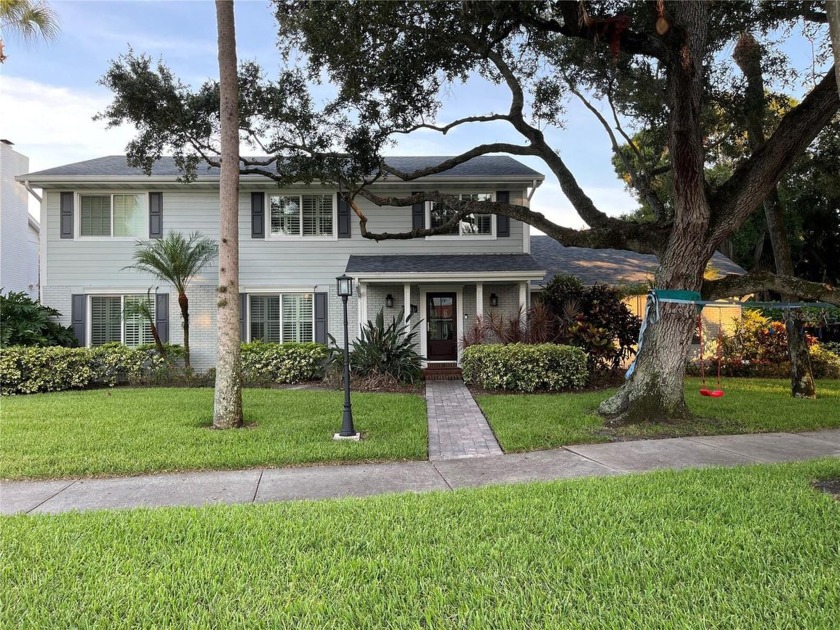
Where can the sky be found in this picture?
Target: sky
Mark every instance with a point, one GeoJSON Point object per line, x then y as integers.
{"type": "Point", "coordinates": [49, 93]}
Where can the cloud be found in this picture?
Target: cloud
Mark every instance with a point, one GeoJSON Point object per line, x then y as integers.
{"type": "Point", "coordinates": [53, 125]}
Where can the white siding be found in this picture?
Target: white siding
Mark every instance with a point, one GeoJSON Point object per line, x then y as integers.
{"type": "Point", "coordinates": [18, 240]}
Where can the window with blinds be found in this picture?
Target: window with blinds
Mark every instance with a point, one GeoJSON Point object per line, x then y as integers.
{"type": "Point", "coordinates": [113, 318]}
{"type": "Point", "coordinates": [297, 317]}
{"type": "Point", "coordinates": [471, 225]}
{"type": "Point", "coordinates": [105, 320]}
{"type": "Point", "coordinates": [265, 318]}
{"type": "Point", "coordinates": [112, 215]}
{"type": "Point", "coordinates": [301, 215]}
{"type": "Point", "coordinates": [294, 322]}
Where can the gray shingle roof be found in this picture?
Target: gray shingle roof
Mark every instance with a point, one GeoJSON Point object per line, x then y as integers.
{"type": "Point", "coordinates": [605, 266]}
{"type": "Point", "coordinates": [443, 263]}
{"type": "Point", "coordinates": [116, 166]}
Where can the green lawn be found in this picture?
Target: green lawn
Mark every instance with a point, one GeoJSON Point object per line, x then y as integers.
{"type": "Point", "coordinates": [539, 421]}
{"type": "Point", "coordinates": [130, 431]}
{"type": "Point", "coordinates": [752, 547]}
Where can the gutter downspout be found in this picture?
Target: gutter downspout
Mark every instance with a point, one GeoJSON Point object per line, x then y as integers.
{"type": "Point", "coordinates": [530, 194]}
{"type": "Point", "coordinates": [36, 195]}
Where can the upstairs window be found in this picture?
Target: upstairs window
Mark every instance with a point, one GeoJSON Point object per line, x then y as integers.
{"type": "Point", "coordinates": [121, 215]}
{"type": "Point", "coordinates": [282, 318]}
{"type": "Point", "coordinates": [471, 225]}
{"type": "Point", "coordinates": [110, 323]}
{"type": "Point", "coordinates": [301, 215]}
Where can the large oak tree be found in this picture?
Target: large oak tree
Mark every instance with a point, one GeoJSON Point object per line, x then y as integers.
{"type": "Point", "coordinates": [661, 63]}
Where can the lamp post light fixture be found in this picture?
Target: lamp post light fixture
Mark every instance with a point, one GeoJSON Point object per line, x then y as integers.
{"type": "Point", "coordinates": [344, 288]}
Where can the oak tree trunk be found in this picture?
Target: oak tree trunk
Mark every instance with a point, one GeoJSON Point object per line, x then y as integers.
{"type": "Point", "coordinates": [227, 405]}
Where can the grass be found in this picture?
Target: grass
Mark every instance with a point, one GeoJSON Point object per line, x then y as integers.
{"type": "Point", "coordinates": [752, 547]}
{"type": "Point", "coordinates": [531, 422]}
{"type": "Point", "coordinates": [130, 431]}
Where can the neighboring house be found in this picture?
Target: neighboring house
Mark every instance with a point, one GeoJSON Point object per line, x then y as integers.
{"type": "Point", "coordinates": [623, 268]}
{"type": "Point", "coordinates": [19, 230]}
{"type": "Point", "coordinates": [294, 242]}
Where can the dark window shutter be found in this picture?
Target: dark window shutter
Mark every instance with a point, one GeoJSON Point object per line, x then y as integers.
{"type": "Point", "coordinates": [66, 215]}
{"type": "Point", "coordinates": [156, 215]}
{"type": "Point", "coordinates": [321, 317]}
{"type": "Point", "coordinates": [162, 316]}
{"type": "Point", "coordinates": [258, 215]}
{"type": "Point", "coordinates": [243, 316]}
{"type": "Point", "coordinates": [418, 215]}
{"type": "Point", "coordinates": [343, 217]}
{"type": "Point", "coordinates": [502, 223]}
{"type": "Point", "coordinates": [78, 316]}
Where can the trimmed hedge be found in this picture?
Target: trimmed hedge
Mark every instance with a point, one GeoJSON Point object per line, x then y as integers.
{"type": "Point", "coordinates": [267, 363]}
{"type": "Point", "coordinates": [523, 367]}
{"type": "Point", "coordinates": [30, 370]}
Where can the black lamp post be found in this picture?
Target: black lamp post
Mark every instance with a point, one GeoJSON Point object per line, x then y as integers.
{"type": "Point", "coordinates": [344, 288]}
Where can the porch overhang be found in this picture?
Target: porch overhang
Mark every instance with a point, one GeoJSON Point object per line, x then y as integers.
{"type": "Point", "coordinates": [445, 268]}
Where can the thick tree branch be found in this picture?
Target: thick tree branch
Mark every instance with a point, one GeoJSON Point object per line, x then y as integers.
{"type": "Point", "coordinates": [755, 282]}
{"type": "Point", "coordinates": [640, 182]}
{"type": "Point", "coordinates": [632, 42]}
{"type": "Point", "coordinates": [484, 149]}
{"type": "Point", "coordinates": [753, 180]}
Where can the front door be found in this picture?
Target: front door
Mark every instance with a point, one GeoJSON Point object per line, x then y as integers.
{"type": "Point", "coordinates": [441, 327]}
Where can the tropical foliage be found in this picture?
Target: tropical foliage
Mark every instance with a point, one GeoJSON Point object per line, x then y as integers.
{"type": "Point", "coordinates": [388, 350]}
{"type": "Point", "coordinates": [26, 322]}
{"type": "Point", "coordinates": [176, 259]}
{"type": "Point", "coordinates": [27, 20]}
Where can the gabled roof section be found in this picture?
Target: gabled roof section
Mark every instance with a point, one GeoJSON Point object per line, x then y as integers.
{"type": "Point", "coordinates": [116, 167]}
{"type": "Point", "coordinates": [605, 266]}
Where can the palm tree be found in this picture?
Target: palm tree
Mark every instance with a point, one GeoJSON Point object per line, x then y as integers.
{"type": "Point", "coordinates": [176, 259]}
{"type": "Point", "coordinates": [28, 20]}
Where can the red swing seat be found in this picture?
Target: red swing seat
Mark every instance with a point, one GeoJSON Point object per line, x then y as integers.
{"type": "Point", "coordinates": [705, 391]}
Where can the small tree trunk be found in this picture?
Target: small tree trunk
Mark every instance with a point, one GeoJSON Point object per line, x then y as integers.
{"type": "Point", "coordinates": [184, 304]}
{"type": "Point", "coordinates": [158, 343]}
{"type": "Point", "coordinates": [801, 377]}
{"type": "Point", "coordinates": [747, 55]}
{"type": "Point", "coordinates": [227, 404]}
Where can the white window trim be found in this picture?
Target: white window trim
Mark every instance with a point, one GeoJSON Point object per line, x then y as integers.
{"type": "Point", "coordinates": [279, 295]}
{"type": "Point", "coordinates": [287, 237]}
{"type": "Point", "coordinates": [111, 293]}
{"type": "Point", "coordinates": [472, 237]}
{"type": "Point", "coordinates": [77, 215]}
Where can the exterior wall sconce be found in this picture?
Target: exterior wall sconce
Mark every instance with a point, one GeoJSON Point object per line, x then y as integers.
{"type": "Point", "coordinates": [494, 300]}
{"type": "Point", "coordinates": [413, 309]}
{"type": "Point", "coordinates": [389, 301]}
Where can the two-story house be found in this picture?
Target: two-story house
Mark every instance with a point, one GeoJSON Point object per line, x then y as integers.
{"type": "Point", "coordinates": [294, 242]}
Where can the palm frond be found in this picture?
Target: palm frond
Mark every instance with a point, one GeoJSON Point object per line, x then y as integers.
{"type": "Point", "coordinates": [175, 258]}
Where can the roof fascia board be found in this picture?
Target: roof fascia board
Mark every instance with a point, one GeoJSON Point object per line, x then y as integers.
{"type": "Point", "coordinates": [473, 276]}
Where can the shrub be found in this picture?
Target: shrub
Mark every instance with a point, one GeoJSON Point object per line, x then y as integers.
{"type": "Point", "coordinates": [114, 363]}
{"type": "Point", "coordinates": [824, 362]}
{"type": "Point", "coordinates": [30, 370]}
{"type": "Point", "coordinates": [25, 322]}
{"type": "Point", "coordinates": [267, 363]}
{"type": "Point", "coordinates": [593, 319]}
{"type": "Point", "coordinates": [525, 367]}
{"type": "Point", "coordinates": [386, 350]}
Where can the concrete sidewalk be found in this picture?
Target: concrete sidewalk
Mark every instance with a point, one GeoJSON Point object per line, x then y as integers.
{"type": "Point", "coordinates": [321, 482]}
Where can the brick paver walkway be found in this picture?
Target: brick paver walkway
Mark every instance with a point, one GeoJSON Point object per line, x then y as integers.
{"type": "Point", "coordinates": [457, 428]}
